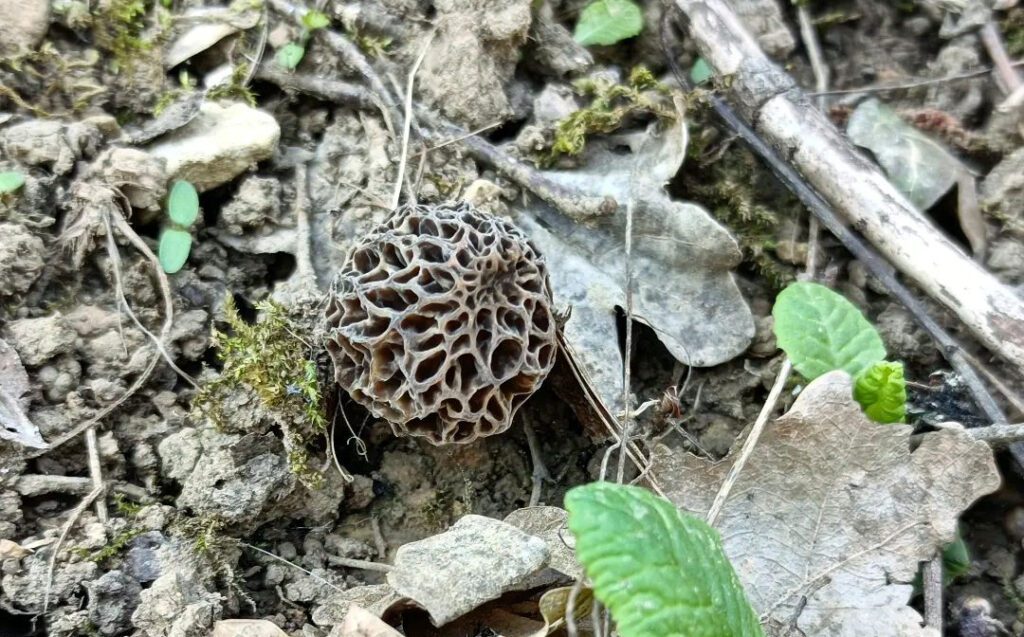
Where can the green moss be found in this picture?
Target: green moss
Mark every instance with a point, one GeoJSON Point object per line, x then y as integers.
{"type": "Point", "coordinates": [118, 28]}
{"type": "Point", "coordinates": [235, 88]}
{"type": "Point", "coordinates": [610, 106]}
{"type": "Point", "coordinates": [270, 359]}
{"type": "Point", "coordinates": [117, 545]}
{"type": "Point", "coordinates": [1012, 26]}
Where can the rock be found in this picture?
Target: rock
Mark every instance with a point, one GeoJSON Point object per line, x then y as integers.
{"type": "Point", "coordinates": [554, 49]}
{"type": "Point", "coordinates": [142, 561]}
{"type": "Point", "coordinates": [178, 604]}
{"type": "Point", "coordinates": [306, 588]}
{"type": "Point", "coordinates": [26, 588]}
{"type": "Point", "coordinates": [49, 143]}
{"type": "Point", "coordinates": [22, 257]}
{"type": "Point", "coordinates": [219, 144]}
{"type": "Point", "coordinates": [179, 453]}
{"type": "Point", "coordinates": [1006, 259]}
{"type": "Point", "coordinates": [24, 25]}
{"type": "Point", "coordinates": [555, 102]}
{"type": "Point", "coordinates": [139, 175]}
{"type": "Point", "coordinates": [763, 18]}
{"type": "Point", "coordinates": [112, 600]}
{"type": "Point", "coordinates": [959, 99]}
{"type": "Point", "coordinates": [60, 378]}
{"type": "Point", "coordinates": [37, 340]}
{"type": "Point", "coordinates": [348, 547]}
{"type": "Point", "coordinates": [476, 560]}
{"type": "Point", "coordinates": [473, 56]}
{"type": "Point", "coordinates": [257, 202]}
{"type": "Point", "coordinates": [1001, 194]}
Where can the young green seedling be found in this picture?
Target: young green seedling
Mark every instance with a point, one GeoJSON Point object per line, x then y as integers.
{"type": "Point", "coordinates": [175, 238]}
{"type": "Point", "coordinates": [608, 21]}
{"type": "Point", "coordinates": [289, 55]}
{"type": "Point", "coordinates": [11, 181]}
{"type": "Point", "coordinates": [821, 332]}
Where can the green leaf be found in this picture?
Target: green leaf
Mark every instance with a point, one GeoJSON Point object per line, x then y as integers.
{"type": "Point", "coordinates": [821, 332]}
{"type": "Point", "coordinates": [660, 572]}
{"type": "Point", "coordinates": [314, 20]}
{"type": "Point", "coordinates": [882, 392]}
{"type": "Point", "coordinates": [290, 55]}
{"type": "Point", "coordinates": [956, 559]}
{"type": "Point", "coordinates": [11, 181]}
{"type": "Point", "coordinates": [174, 247]}
{"type": "Point", "coordinates": [701, 71]}
{"type": "Point", "coordinates": [183, 204]}
{"type": "Point", "coordinates": [608, 22]}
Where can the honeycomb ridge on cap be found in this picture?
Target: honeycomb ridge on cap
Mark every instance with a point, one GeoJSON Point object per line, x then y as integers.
{"type": "Point", "coordinates": [440, 322]}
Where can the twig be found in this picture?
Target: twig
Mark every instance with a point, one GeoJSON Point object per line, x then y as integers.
{"type": "Point", "coordinates": [378, 538]}
{"type": "Point", "coordinates": [750, 442]}
{"type": "Point", "coordinates": [96, 472]}
{"type": "Point", "coordinates": [351, 55]}
{"type": "Point", "coordinates": [337, 91]}
{"type": "Point", "coordinates": [33, 484]}
{"type": "Point", "coordinates": [993, 41]}
{"type": "Point", "coordinates": [915, 83]}
{"type": "Point", "coordinates": [932, 584]}
{"type": "Point", "coordinates": [996, 436]}
{"type": "Point", "coordinates": [292, 564]}
{"type": "Point", "coordinates": [303, 233]}
{"type": "Point", "coordinates": [810, 37]}
{"type": "Point", "coordinates": [365, 565]}
{"type": "Point", "coordinates": [792, 179]}
{"type": "Point", "coordinates": [407, 128]}
{"type": "Point", "coordinates": [627, 362]}
{"type": "Point", "coordinates": [570, 609]}
{"type": "Point", "coordinates": [65, 530]}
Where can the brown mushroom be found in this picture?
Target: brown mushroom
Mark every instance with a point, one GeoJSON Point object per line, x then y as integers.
{"type": "Point", "coordinates": [440, 322]}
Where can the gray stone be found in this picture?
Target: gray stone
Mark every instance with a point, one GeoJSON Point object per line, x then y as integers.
{"type": "Point", "coordinates": [142, 560]}
{"type": "Point", "coordinates": [112, 600]}
{"type": "Point", "coordinates": [37, 340]}
{"type": "Point", "coordinates": [24, 24]}
{"type": "Point", "coordinates": [22, 257]}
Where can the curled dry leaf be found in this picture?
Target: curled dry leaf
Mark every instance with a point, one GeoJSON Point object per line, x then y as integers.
{"type": "Point", "coordinates": [829, 520]}
{"type": "Point", "coordinates": [682, 260]}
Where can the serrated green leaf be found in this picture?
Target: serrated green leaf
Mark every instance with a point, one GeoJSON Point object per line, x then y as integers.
{"type": "Point", "coordinates": [659, 571]}
{"type": "Point", "coordinates": [314, 20]}
{"type": "Point", "coordinates": [11, 181]}
{"type": "Point", "coordinates": [701, 71]}
{"type": "Point", "coordinates": [289, 56]}
{"type": "Point", "coordinates": [608, 21]}
{"type": "Point", "coordinates": [183, 204]}
{"type": "Point", "coordinates": [174, 248]}
{"type": "Point", "coordinates": [882, 392]}
{"type": "Point", "coordinates": [821, 331]}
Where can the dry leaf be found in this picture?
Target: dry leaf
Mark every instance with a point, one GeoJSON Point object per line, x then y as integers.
{"type": "Point", "coordinates": [376, 598]}
{"type": "Point", "coordinates": [549, 524]}
{"type": "Point", "coordinates": [360, 622]}
{"type": "Point", "coordinates": [829, 520]}
{"type": "Point", "coordinates": [682, 260]}
{"type": "Point", "coordinates": [246, 628]}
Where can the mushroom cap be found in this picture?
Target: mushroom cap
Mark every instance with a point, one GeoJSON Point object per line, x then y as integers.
{"type": "Point", "coordinates": [440, 322]}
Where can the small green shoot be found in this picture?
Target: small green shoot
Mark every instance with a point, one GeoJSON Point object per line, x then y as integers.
{"type": "Point", "coordinates": [289, 55]}
{"type": "Point", "coordinates": [659, 571]}
{"type": "Point", "coordinates": [606, 22]}
{"type": "Point", "coordinates": [175, 238]}
{"type": "Point", "coordinates": [11, 181]}
{"type": "Point", "coordinates": [821, 332]}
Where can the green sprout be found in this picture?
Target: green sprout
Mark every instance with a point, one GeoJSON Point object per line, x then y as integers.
{"type": "Point", "coordinates": [11, 181]}
{"type": "Point", "coordinates": [289, 55]}
{"type": "Point", "coordinates": [175, 238]}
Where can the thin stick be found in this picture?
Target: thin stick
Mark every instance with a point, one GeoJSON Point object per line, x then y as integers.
{"type": "Point", "coordinates": [329, 89]}
{"type": "Point", "coordinates": [365, 565]}
{"type": "Point", "coordinates": [627, 418]}
{"type": "Point", "coordinates": [932, 584]}
{"type": "Point", "coordinates": [993, 41]}
{"type": "Point", "coordinates": [65, 530]}
{"type": "Point", "coordinates": [750, 442]}
{"type": "Point", "coordinates": [96, 472]}
{"type": "Point", "coordinates": [570, 609]}
{"type": "Point", "coordinates": [292, 564]}
{"type": "Point", "coordinates": [915, 83]}
{"type": "Point", "coordinates": [810, 37]}
{"type": "Point", "coordinates": [407, 127]}
{"type": "Point", "coordinates": [378, 538]}
{"type": "Point", "coordinates": [540, 471]}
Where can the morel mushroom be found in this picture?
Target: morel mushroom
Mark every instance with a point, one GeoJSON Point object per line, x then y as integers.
{"type": "Point", "coordinates": [440, 322]}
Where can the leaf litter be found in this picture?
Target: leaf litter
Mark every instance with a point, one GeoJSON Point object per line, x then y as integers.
{"type": "Point", "coordinates": [833, 513]}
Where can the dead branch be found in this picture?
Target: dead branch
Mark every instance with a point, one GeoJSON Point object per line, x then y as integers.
{"type": "Point", "coordinates": [781, 114]}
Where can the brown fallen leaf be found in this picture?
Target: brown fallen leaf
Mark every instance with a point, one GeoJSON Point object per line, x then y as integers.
{"type": "Point", "coordinates": [9, 549]}
{"type": "Point", "coordinates": [829, 520]}
{"type": "Point", "coordinates": [360, 622]}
